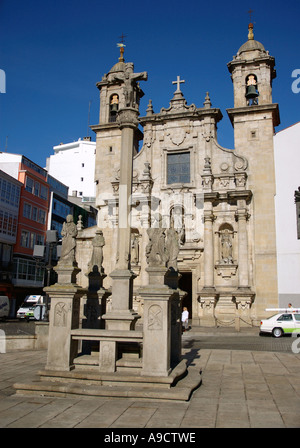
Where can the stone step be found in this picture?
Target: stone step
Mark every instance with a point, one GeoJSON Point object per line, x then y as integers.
{"type": "Point", "coordinates": [130, 362]}
{"type": "Point", "coordinates": [180, 390]}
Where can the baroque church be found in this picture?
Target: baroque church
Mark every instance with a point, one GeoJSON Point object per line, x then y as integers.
{"type": "Point", "coordinates": [220, 201]}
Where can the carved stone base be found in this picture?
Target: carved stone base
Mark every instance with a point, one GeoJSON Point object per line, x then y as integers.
{"type": "Point", "coordinates": [66, 274]}
{"type": "Point", "coordinates": [207, 299]}
{"type": "Point", "coordinates": [225, 311]}
{"type": "Point", "coordinates": [162, 327]}
{"type": "Point", "coordinates": [244, 298]}
{"type": "Point", "coordinates": [64, 316]}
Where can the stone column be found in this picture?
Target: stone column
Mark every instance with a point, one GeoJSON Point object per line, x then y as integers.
{"type": "Point", "coordinates": [121, 316]}
{"type": "Point", "coordinates": [128, 122]}
{"type": "Point", "coordinates": [243, 295]}
{"type": "Point", "coordinates": [207, 297]}
{"type": "Point", "coordinates": [242, 217]}
{"type": "Point", "coordinates": [208, 250]}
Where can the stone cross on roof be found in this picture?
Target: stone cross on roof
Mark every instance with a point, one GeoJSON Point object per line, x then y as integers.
{"type": "Point", "coordinates": [178, 82]}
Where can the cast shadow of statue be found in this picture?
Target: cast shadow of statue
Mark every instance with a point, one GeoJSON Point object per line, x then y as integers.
{"type": "Point", "coordinates": [193, 354]}
{"type": "Point", "coordinates": [94, 307]}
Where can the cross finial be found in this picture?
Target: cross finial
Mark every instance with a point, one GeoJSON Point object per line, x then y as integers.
{"type": "Point", "coordinates": [250, 14]}
{"type": "Point", "coordinates": [121, 46]}
{"type": "Point", "coordinates": [178, 82]}
{"type": "Point", "coordinates": [250, 26]}
{"type": "Point", "coordinates": [122, 37]}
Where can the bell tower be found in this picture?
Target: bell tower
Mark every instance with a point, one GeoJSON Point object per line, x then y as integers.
{"type": "Point", "coordinates": [118, 89]}
{"type": "Point", "coordinates": [252, 72]}
{"type": "Point", "coordinates": [254, 118]}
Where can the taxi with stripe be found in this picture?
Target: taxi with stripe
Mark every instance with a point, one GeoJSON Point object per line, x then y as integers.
{"type": "Point", "coordinates": [285, 321]}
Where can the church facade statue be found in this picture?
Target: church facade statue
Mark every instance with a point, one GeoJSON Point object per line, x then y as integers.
{"type": "Point", "coordinates": [69, 233]}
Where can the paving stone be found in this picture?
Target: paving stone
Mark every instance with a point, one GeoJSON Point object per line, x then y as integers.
{"type": "Point", "coordinates": [245, 389]}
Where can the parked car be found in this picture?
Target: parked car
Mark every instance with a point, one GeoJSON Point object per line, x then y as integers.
{"type": "Point", "coordinates": [287, 321]}
{"type": "Point", "coordinates": [37, 312]}
{"type": "Point", "coordinates": [27, 308]}
{"type": "Point", "coordinates": [4, 307]}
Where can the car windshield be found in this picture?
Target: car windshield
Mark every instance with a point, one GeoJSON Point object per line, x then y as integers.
{"type": "Point", "coordinates": [297, 317]}
{"type": "Point", "coordinates": [28, 304]}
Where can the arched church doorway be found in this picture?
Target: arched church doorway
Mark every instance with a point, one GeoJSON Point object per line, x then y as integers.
{"type": "Point", "coordinates": [185, 284]}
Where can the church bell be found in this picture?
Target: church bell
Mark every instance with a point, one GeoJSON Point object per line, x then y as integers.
{"type": "Point", "coordinates": [114, 108]}
{"type": "Point", "coordinates": [251, 92]}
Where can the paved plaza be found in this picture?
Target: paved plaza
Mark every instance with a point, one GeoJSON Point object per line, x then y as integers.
{"type": "Point", "coordinates": [240, 389]}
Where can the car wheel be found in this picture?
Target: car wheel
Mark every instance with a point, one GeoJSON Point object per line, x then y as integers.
{"type": "Point", "coordinates": [277, 332]}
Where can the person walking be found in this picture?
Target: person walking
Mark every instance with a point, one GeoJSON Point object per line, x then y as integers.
{"type": "Point", "coordinates": [185, 319]}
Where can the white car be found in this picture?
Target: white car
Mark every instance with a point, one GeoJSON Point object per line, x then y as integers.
{"type": "Point", "coordinates": [26, 309]}
{"type": "Point", "coordinates": [287, 321]}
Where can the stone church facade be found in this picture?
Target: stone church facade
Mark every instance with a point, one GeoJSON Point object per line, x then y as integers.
{"type": "Point", "coordinates": [220, 201]}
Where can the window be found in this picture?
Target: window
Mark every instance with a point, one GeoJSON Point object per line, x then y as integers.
{"type": "Point", "coordinates": [32, 240]}
{"type": "Point", "coordinates": [5, 222]}
{"type": "Point", "coordinates": [37, 188]}
{"type": "Point", "coordinates": [285, 317]}
{"type": "Point", "coordinates": [25, 238]}
{"type": "Point", "coordinates": [9, 193]}
{"type": "Point", "coordinates": [61, 209]}
{"type": "Point", "coordinates": [44, 192]}
{"type": "Point", "coordinates": [42, 216]}
{"type": "Point", "coordinates": [29, 184]}
{"type": "Point", "coordinates": [178, 168]}
{"type": "Point", "coordinates": [34, 215]}
{"type": "Point", "coordinates": [27, 210]}
{"type": "Point", "coordinates": [8, 223]}
{"type": "Point", "coordinates": [82, 165]}
{"type": "Point", "coordinates": [28, 270]}
{"type": "Point", "coordinates": [39, 239]}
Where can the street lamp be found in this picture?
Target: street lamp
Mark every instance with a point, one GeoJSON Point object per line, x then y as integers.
{"type": "Point", "coordinates": [51, 241]}
{"type": "Point", "coordinates": [39, 254]}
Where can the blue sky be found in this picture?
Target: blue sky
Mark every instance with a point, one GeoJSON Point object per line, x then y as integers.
{"type": "Point", "coordinates": [54, 52]}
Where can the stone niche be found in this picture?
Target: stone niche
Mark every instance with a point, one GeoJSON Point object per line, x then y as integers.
{"type": "Point", "coordinates": [226, 265]}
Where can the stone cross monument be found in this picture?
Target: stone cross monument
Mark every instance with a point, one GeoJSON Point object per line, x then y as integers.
{"type": "Point", "coordinates": [122, 316]}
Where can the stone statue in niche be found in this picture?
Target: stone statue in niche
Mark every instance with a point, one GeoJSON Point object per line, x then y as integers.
{"type": "Point", "coordinates": [226, 246]}
{"type": "Point", "coordinates": [69, 233]}
{"type": "Point", "coordinates": [135, 248]}
{"type": "Point", "coordinates": [97, 254]}
{"type": "Point", "coordinates": [177, 222]}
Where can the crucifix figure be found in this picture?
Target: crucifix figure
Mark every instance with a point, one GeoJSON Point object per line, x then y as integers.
{"type": "Point", "coordinates": [129, 79]}
{"type": "Point", "coordinates": [178, 82]}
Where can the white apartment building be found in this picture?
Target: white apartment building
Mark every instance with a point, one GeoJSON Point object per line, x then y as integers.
{"type": "Point", "coordinates": [74, 165]}
{"type": "Point", "coordinates": [287, 164]}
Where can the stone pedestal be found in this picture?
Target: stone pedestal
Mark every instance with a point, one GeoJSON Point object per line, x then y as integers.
{"type": "Point", "coordinates": [121, 316]}
{"type": "Point", "coordinates": [225, 311]}
{"type": "Point", "coordinates": [244, 298]}
{"type": "Point", "coordinates": [64, 316]}
{"type": "Point", "coordinates": [159, 301]}
{"type": "Point", "coordinates": [208, 300]}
